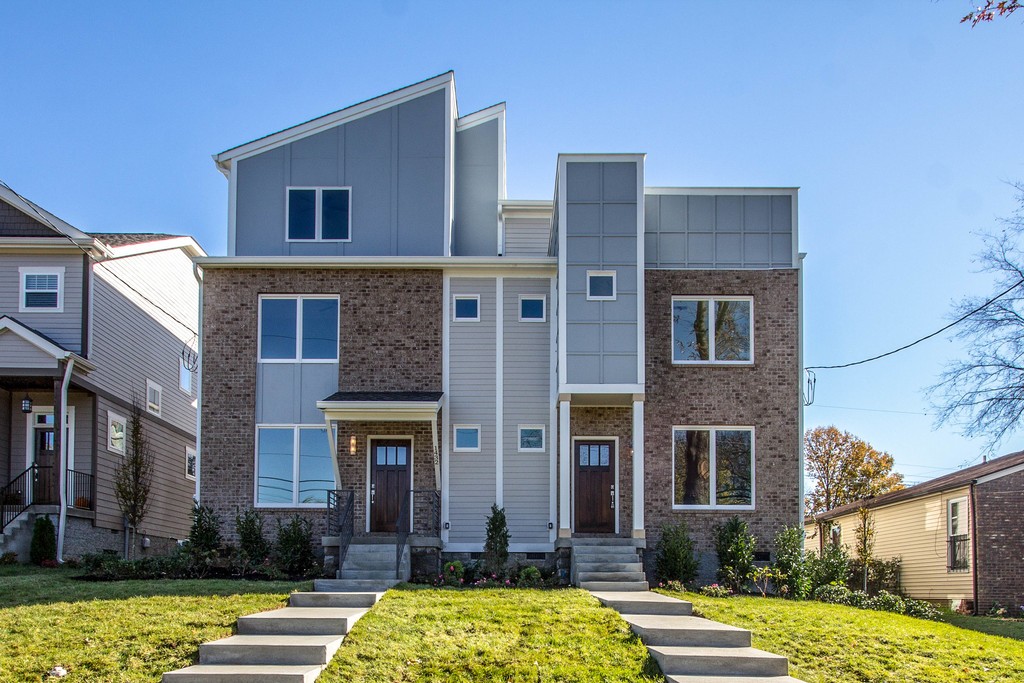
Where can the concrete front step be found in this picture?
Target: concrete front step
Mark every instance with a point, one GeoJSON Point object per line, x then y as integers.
{"type": "Point", "coordinates": [731, 679]}
{"type": "Point", "coordinates": [612, 541]}
{"type": "Point", "coordinates": [609, 566]}
{"type": "Point", "coordinates": [325, 599]}
{"type": "Point", "coordinates": [718, 661]}
{"type": "Point", "coordinates": [373, 574]}
{"type": "Point", "coordinates": [353, 585]}
{"type": "Point", "coordinates": [603, 551]}
{"type": "Point", "coordinates": [250, 673]}
{"type": "Point", "coordinates": [656, 629]}
{"type": "Point", "coordinates": [313, 621]}
{"type": "Point", "coordinates": [374, 562]}
{"type": "Point", "coordinates": [590, 577]}
{"type": "Point", "coordinates": [614, 586]}
{"type": "Point", "coordinates": [270, 649]}
{"type": "Point", "coordinates": [644, 603]}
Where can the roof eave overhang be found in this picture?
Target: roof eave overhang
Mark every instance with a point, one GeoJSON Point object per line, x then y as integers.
{"type": "Point", "coordinates": [380, 411]}
{"type": "Point", "coordinates": [443, 262]}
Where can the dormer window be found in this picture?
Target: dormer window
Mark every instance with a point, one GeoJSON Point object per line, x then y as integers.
{"type": "Point", "coordinates": [319, 214]}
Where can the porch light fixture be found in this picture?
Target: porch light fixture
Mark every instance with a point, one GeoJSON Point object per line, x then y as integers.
{"type": "Point", "coordinates": [352, 445]}
{"type": "Point", "coordinates": [26, 404]}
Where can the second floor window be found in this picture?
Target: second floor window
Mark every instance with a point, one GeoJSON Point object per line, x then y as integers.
{"type": "Point", "coordinates": [319, 214]}
{"type": "Point", "coordinates": [41, 290]}
{"type": "Point", "coordinates": [712, 330]}
{"type": "Point", "coordinates": [298, 328]}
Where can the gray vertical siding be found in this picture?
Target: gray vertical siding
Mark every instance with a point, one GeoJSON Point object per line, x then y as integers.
{"type": "Point", "coordinates": [472, 400]}
{"type": "Point", "coordinates": [394, 162]}
{"type": "Point", "coordinates": [527, 394]}
{"type": "Point", "coordinates": [64, 328]}
{"type": "Point", "coordinates": [286, 393]}
{"type": "Point", "coordinates": [475, 232]}
{"type": "Point", "coordinates": [601, 234]}
{"type": "Point", "coordinates": [133, 340]}
{"type": "Point", "coordinates": [527, 237]}
{"type": "Point", "coordinates": [718, 231]}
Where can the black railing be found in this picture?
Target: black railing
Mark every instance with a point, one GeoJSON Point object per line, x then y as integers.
{"type": "Point", "coordinates": [426, 503]}
{"type": "Point", "coordinates": [341, 508]}
{"type": "Point", "coordinates": [33, 486]}
{"type": "Point", "coordinates": [79, 490]}
{"type": "Point", "coordinates": [959, 554]}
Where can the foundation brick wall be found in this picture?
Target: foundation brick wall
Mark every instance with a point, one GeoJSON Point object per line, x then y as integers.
{"type": "Point", "coordinates": [1000, 548]}
{"type": "Point", "coordinates": [390, 340]}
{"type": "Point", "coordinates": [586, 422]}
{"type": "Point", "coordinates": [765, 396]}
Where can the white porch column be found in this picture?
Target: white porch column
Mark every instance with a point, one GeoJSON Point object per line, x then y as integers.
{"type": "Point", "coordinates": [638, 469]}
{"type": "Point", "coordinates": [564, 469]}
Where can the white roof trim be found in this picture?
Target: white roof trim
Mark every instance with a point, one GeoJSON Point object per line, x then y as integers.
{"type": "Point", "coordinates": [184, 242]}
{"type": "Point", "coordinates": [317, 125]}
{"type": "Point", "coordinates": [499, 262]}
{"type": "Point", "coordinates": [491, 113]}
{"type": "Point", "coordinates": [999, 475]}
{"type": "Point", "coordinates": [30, 209]}
{"type": "Point", "coordinates": [383, 411]}
{"type": "Point", "coordinates": [720, 190]}
{"type": "Point", "coordinates": [45, 345]}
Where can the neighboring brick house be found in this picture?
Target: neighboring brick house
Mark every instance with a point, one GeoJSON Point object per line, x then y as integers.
{"type": "Point", "coordinates": [598, 364]}
{"type": "Point", "coordinates": [960, 536]}
{"type": "Point", "coordinates": [89, 321]}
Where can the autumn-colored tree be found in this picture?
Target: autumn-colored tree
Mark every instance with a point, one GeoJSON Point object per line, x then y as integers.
{"type": "Point", "coordinates": [844, 469]}
{"type": "Point", "coordinates": [990, 10]}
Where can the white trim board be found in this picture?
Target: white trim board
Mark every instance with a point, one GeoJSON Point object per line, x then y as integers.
{"type": "Point", "coordinates": [999, 475]}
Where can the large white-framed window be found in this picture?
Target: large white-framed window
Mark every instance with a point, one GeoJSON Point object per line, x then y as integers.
{"type": "Point", "coordinates": [956, 517]}
{"type": "Point", "coordinates": [117, 432]}
{"type": "Point", "coordinates": [466, 438]}
{"type": "Point", "coordinates": [298, 328]}
{"type": "Point", "coordinates": [601, 285]}
{"type": "Point", "coordinates": [708, 330]}
{"type": "Point", "coordinates": [41, 289]}
{"type": "Point", "coordinates": [532, 309]}
{"type": "Point", "coordinates": [958, 538]}
{"type": "Point", "coordinates": [712, 467]}
{"type": "Point", "coordinates": [531, 439]}
{"type": "Point", "coordinates": [466, 308]}
{"type": "Point", "coordinates": [318, 214]}
{"type": "Point", "coordinates": [293, 466]}
{"type": "Point", "coordinates": [190, 463]}
{"type": "Point", "coordinates": [154, 397]}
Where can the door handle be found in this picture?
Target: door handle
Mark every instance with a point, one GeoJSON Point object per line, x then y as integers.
{"type": "Point", "coordinates": [373, 492]}
{"type": "Point", "coordinates": [611, 490]}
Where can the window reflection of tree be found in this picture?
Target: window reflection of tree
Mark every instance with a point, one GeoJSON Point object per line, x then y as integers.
{"type": "Point", "coordinates": [693, 467]}
{"type": "Point", "coordinates": [732, 468]}
{"type": "Point", "coordinates": [732, 330]}
{"type": "Point", "coordinates": [695, 346]}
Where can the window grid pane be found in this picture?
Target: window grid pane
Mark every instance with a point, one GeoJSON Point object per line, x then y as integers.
{"type": "Point", "coordinates": [319, 328]}
{"type": "Point", "coordinates": [601, 286]}
{"type": "Point", "coordinates": [531, 309]}
{"type": "Point", "coordinates": [301, 214]}
{"type": "Point", "coordinates": [692, 467]}
{"type": "Point", "coordinates": [531, 439]}
{"type": "Point", "coordinates": [316, 471]}
{"type": "Point", "coordinates": [277, 328]}
{"type": "Point", "coordinates": [467, 438]}
{"type": "Point", "coordinates": [690, 320]}
{"type": "Point", "coordinates": [732, 330]}
{"type": "Point", "coordinates": [275, 477]}
{"type": "Point", "coordinates": [732, 467]}
{"type": "Point", "coordinates": [467, 309]}
{"type": "Point", "coordinates": [334, 215]}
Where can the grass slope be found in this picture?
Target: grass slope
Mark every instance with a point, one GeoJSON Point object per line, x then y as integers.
{"type": "Point", "coordinates": [490, 635]}
{"type": "Point", "coordinates": [117, 631]}
{"type": "Point", "coordinates": [827, 643]}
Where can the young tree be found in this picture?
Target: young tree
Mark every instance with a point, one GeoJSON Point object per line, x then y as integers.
{"type": "Point", "coordinates": [984, 393]}
{"type": "Point", "coordinates": [865, 540]}
{"type": "Point", "coordinates": [133, 478]}
{"type": "Point", "coordinates": [844, 469]}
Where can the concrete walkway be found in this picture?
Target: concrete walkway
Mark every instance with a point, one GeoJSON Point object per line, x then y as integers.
{"type": "Point", "coordinates": [692, 649]}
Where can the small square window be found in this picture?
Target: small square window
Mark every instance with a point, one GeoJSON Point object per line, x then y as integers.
{"type": "Point", "coordinates": [116, 431]}
{"type": "Point", "coordinates": [154, 397]}
{"type": "Point", "coordinates": [467, 437]}
{"type": "Point", "coordinates": [600, 285]}
{"type": "Point", "coordinates": [190, 463]}
{"type": "Point", "coordinates": [41, 290]}
{"type": "Point", "coordinates": [467, 309]}
{"type": "Point", "coordinates": [531, 309]}
{"type": "Point", "coordinates": [531, 438]}
{"type": "Point", "coordinates": [319, 214]}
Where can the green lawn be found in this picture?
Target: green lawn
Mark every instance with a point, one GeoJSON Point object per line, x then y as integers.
{"type": "Point", "coordinates": [116, 631]}
{"type": "Point", "coordinates": [491, 635]}
{"type": "Point", "coordinates": [827, 643]}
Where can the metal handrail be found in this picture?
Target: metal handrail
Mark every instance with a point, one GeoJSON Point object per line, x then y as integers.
{"type": "Point", "coordinates": [402, 531]}
{"type": "Point", "coordinates": [22, 492]}
{"type": "Point", "coordinates": [341, 506]}
{"type": "Point", "coordinates": [428, 524]}
{"type": "Point", "coordinates": [80, 491]}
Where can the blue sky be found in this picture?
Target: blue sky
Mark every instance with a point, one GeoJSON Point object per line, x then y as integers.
{"type": "Point", "coordinates": [900, 125]}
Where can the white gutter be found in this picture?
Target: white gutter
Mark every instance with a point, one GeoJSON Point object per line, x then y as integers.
{"type": "Point", "coordinates": [199, 380]}
{"type": "Point", "coordinates": [62, 472]}
{"type": "Point", "coordinates": [443, 262]}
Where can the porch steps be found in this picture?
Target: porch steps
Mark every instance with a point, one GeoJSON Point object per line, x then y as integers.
{"type": "Point", "coordinates": [607, 564]}
{"type": "Point", "coordinates": [375, 562]}
{"type": "Point", "coordinates": [691, 649]}
{"type": "Point", "coordinates": [288, 645]}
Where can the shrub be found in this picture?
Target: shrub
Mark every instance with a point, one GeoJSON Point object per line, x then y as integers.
{"type": "Point", "coordinates": [293, 552]}
{"type": "Point", "coordinates": [44, 541]}
{"type": "Point", "coordinates": [794, 580]}
{"type": "Point", "coordinates": [205, 533]}
{"type": "Point", "coordinates": [8, 558]}
{"type": "Point", "coordinates": [452, 574]}
{"type": "Point", "coordinates": [734, 546]}
{"type": "Point", "coordinates": [674, 559]}
{"type": "Point", "coordinates": [529, 577]}
{"type": "Point", "coordinates": [715, 591]}
{"type": "Point", "coordinates": [496, 543]}
{"type": "Point", "coordinates": [886, 602]}
{"type": "Point", "coordinates": [673, 586]}
{"type": "Point", "coordinates": [253, 547]}
{"type": "Point", "coordinates": [833, 594]}
{"type": "Point", "coordinates": [831, 566]}
{"type": "Point", "coordinates": [858, 599]}
{"type": "Point", "coordinates": [884, 575]}
{"type": "Point", "coordinates": [764, 578]}
{"type": "Point", "coordinates": [921, 609]}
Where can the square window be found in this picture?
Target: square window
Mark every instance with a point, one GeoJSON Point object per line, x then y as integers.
{"type": "Point", "coordinates": [321, 214]}
{"type": "Point", "coordinates": [531, 438]}
{"type": "Point", "coordinates": [190, 463]}
{"type": "Point", "coordinates": [298, 328]}
{"type": "Point", "coordinates": [467, 437]}
{"type": "Point", "coordinates": [154, 397]}
{"type": "Point", "coordinates": [116, 432]}
{"type": "Point", "coordinates": [712, 330]}
{"type": "Point", "coordinates": [712, 468]}
{"type": "Point", "coordinates": [531, 309]}
{"type": "Point", "coordinates": [41, 290]}
{"type": "Point", "coordinates": [600, 285]}
{"type": "Point", "coordinates": [467, 309]}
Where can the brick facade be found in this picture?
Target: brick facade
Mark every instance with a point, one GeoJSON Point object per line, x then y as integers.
{"type": "Point", "coordinates": [390, 339]}
{"type": "Point", "coordinates": [765, 396]}
{"type": "Point", "coordinates": [1000, 551]}
{"type": "Point", "coordinates": [612, 422]}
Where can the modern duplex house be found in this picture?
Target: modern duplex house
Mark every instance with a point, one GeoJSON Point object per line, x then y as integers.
{"type": "Point", "coordinates": [392, 345]}
{"type": "Point", "coordinates": [89, 321]}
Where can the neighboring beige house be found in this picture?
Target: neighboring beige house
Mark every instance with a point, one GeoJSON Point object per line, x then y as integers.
{"type": "Point", "coordinates": [959, 535]}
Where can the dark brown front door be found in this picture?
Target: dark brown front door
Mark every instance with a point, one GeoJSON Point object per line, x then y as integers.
{"type": "Point", "coordinates": [45, 456]}
{"type": "Point", "coordinates": [389, 481]}
{"type": "Point", "coordinates": [595, 486]}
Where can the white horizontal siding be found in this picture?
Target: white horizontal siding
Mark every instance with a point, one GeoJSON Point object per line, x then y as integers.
{"type": "Point", "coordinates": [526, 237]}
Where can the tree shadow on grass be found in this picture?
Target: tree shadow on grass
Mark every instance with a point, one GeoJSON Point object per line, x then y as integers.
{"type": "Point", "coordinates": [1008, 628]}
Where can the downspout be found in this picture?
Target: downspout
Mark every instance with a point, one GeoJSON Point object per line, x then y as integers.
{"type": "Point", "coordinates": [62, 466]}
{"type": "Point", "coordinates": [974, 546]}
{"type": "Point", "coordinates": [199, 380]}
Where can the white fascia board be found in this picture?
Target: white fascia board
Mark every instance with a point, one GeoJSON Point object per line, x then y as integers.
{"type": "Point", "coordinates": [34, 211]}
{"type": "Point", "coordinates": [476, 118]}
{"type": "Point", "coordinates": [545, 263]}
{"type": "Point", "coordinates": [569, 157]}
{"type": "Point", "coordinates": [632, 390]}
{"type": "Point", "coordinates": [317, 125]}
{"type": "Point", "coordinates": [426, 407]}
{"type": "Point", "coordinates": [184, 242]}
{"type": "Point", "coordinates": [525, 204]}
{"type": "Point", "coordinates": [721, 190]}
{"type": "Point", "coordinates": [999, 475]}
{"type": "Point", "coordinates": [55, 243]}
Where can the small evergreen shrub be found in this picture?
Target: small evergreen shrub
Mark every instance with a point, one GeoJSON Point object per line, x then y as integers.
{"type": "Point", "coordinates": [833, 594]}
{"type": "Point", "coordinates": [44, 541]}
{"type": "Point", "coordinates": [530, 577]}
{"type": "Point", "coordinates": [205, 533]}
{"type": "Point", "coordinates": [886, 602]}
{"type": "Point", "coordinates": [794, 580]}
{"type": "Point", "coordinates": [253, 547]}
{"type": "Point", "coordinates": [293, 552]}
{"type": "Point", "coordinates": [734, 546]}
{"type": "Point", "coordinates": [452, 574]}
{"type": "Point", "coordinates": [8, 558]}
{"type": "Point", "coordinates": [831, 566]}
{"type": "Point", "coordinates": [858, 599]}
{"type": "Point", "coordinates": [921, 609]}
{"type": "Point", "coordinates": [496, 543]}
{"type": "Point", "coordinates": [674, 559]}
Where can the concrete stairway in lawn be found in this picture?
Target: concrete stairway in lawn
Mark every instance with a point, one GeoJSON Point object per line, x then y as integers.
{"type": "Point", "coordinates": [288, 645]}
{"type": "Point", "coordinates": [607, 564]}
{"type": "Point", "coordinates": [369, 566]}
{"type": "Point", "coordinates": [691, 649]}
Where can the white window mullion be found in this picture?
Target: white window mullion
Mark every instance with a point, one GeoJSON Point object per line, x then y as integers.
{"type": "Point", "coordinates": [712, 309]}
{"type": "Point", "coordinates": [713, 465]}
{"type": "Point", "coordinates": [298, 328]}
{"type": "Point", "coordinates": [295, 465]}
{"type": "Point", "coordinates": [318, 215]}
